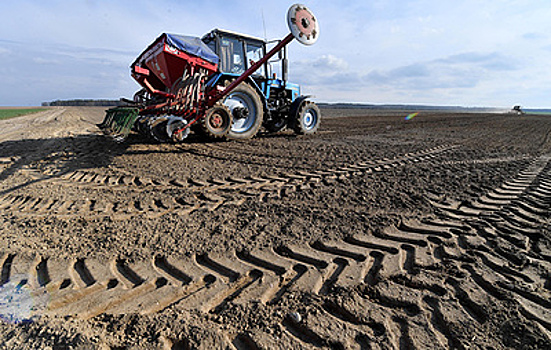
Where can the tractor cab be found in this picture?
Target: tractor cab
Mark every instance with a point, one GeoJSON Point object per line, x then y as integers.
{"type": "Point", "coordinates": [237, 52]}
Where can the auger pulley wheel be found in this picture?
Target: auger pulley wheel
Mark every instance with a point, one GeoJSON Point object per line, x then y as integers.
{"type": "Point", "coordinates": [303, 24]}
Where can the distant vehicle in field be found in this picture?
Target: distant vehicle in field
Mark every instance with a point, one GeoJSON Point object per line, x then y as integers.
{"type": "Point", "coordinates": [518, 110]}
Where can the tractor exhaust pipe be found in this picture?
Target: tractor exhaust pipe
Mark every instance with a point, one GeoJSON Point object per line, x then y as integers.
{"type": "Point", "coordinates": [303, 26]}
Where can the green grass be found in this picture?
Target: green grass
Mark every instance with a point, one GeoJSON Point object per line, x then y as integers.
{"type": "Point", "coordinates": [17, 112]}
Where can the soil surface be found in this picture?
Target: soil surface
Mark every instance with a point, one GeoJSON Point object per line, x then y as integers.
{"type": "Point", "coordinates": [375, 233]}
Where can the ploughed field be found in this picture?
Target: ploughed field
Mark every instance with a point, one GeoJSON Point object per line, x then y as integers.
{"type": "Point", "coordinates": [376, 233]}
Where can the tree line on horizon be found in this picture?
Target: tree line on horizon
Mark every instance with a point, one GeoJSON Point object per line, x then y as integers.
{"type": "Point", "coordinates": [83, 103]}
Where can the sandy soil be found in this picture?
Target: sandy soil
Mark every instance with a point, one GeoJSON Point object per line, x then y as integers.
{"type": "Point", "coordinates": [375, 233]}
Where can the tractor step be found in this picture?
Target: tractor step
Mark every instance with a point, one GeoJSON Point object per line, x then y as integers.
{"type": "Point", "coordinates": [118, 122]}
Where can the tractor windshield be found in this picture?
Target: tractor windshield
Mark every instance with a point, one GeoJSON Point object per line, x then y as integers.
{"type": "Point", "coordinates": [237, 52]}
{"type": "Point", "coordinates": [231, 56]}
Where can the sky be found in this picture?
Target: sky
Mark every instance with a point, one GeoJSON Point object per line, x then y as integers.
{"type": "Point", "coordinates": [472, 53]}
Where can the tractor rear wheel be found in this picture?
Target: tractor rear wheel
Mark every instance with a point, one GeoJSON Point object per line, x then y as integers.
{"type": "Point", "coordinates": [247, 111]}
{"type": "Point", "coordinates": [307, 120]}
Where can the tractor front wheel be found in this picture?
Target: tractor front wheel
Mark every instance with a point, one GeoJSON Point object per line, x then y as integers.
{"type": "Point", "coordinates": [307, 119]}
{"type": "Point", "coordinates": [247, 111]}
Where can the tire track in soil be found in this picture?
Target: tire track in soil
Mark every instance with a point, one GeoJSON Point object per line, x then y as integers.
{"type": "Point", "coordinates": [197, 195]}
{"type": "Point", "coordinates": [487, 160]}
{"type": "Point", "coordinates": [391, 274]}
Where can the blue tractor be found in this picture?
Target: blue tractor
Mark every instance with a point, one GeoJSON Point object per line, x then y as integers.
{"type": "Point", "coordinates": [263, 99]}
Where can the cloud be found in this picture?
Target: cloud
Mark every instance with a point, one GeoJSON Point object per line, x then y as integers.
{"type": "Point", "coordinates": [330, 63]}
{"type": "Point", "coordinates": [464, 70]}
{"type": "Point", "coordinates": [46, 61]}
{"type": "Point", "coordinates": [324, 70]}
{"type": "Point", "coordinates": [48, 72]}
{"type": "Point", "coordinates": [459, 71]}
{"type": "Point", "coordinates": [534, 36]}
{"type": "Point", "coordinates": [492, 61]}
{"type": "Point", "coordinates": [467, 78]}
{"type": "Point", "coordinates": [323, 65]}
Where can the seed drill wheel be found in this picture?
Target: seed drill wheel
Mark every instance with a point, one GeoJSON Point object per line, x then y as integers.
{"type": "Point", "coordinates": [174, 124]}
{"type": "Point", "coordinates": [142, 125]}
{"type": "Point", "coordinates": [158, 128]}
{"type": "Point", "coordinates": [217, 121]}
{"type": "Point", "coordinates": [307, 119]}
{"type": "Point", "coordinates": [303, 25]}
{"type": "Point", "coordinates": [246, 110]}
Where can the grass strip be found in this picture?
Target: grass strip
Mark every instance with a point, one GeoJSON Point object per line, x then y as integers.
{"type": "Point", "coordinates": [17, 112]}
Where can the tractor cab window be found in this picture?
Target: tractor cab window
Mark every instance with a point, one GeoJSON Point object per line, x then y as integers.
{"type": "Point", "coordinates": [231, 56]}
{"type": "Point", "coordinates": [255, 54]}
{"type": "Point", "coordinates": [212, 45]}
